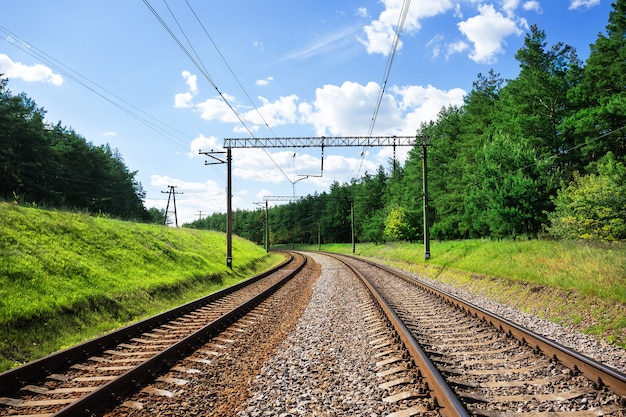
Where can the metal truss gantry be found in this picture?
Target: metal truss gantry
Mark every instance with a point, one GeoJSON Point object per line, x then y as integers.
{"type": "Point", "coordinates": [312, 142]}
{"type": "Point", "coordinates": [322, 141]}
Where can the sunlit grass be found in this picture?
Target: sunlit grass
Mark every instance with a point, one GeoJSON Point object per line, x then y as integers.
{"type": "Point", "coordinates": [67, 277]}
{"type": "Point", "coordinates": [576, 284]}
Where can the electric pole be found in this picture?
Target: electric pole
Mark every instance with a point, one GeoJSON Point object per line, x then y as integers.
{"type": "Point", "coordinates": [229, 198]}
{"type": "Point", "coordinates": [426, 227]}
{"type": "Point", "coordinates": [171, 195]}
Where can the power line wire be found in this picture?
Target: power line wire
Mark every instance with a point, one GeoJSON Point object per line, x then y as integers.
{"type": "Point", "coordinates": [198, 63]}
{"type": "Point", "coordinates": [383, 86]}
{"type": "Point", "coordinates": [168, 132]}
{"type": "Point", "coordinates": [266, 124]}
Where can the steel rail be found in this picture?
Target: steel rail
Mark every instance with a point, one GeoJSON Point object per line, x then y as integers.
{"type": "Point", "coordinates": [603, 375]}
{"type": "Point", "coordinates": [16, 377]}
{"type": "Point", "coordinates": [450, 405]}
{"type": "Point", "coordinates": [131, 380]}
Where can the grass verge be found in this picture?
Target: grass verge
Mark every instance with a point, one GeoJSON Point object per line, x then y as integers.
{"type": "Point", "coordinates": [581, 286]}
{"type": "Point", "coordinates": [66, 277]}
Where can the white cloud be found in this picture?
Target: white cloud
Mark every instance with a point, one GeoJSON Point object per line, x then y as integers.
{"type": "Point", "coordinates": [380, 33]}
{"type": "Point", "coordinates": [455, 48]}
{"type": "Point", "coordinates": [362, 12]}
{"type": "Point", "coordinates": [509, 7]}
{"type": "Point", "coordinates": [422, 104]}
{"type": "Point", "coordinates": [487, 32]}
{"type": "Point", "coordinates": [185, 100]}
{"type": "Point", "coordinates": [192, 81]}
{"type": "Point", "coordinates": [277, 113]}
{"type": "Point", "coordinates": [204, 144]}
{"type": "Point", "coordinates": [447, 50]}
{"type": "Point", "coordinates": [578, 4]}
{"type": "Point", "coordinates": [348, 109]}
{"type": "Point", "coordinates": [265, 82]}
{"type": "Point", "coordinates": [28, 73]}
{"type": "Point", "coordinates": [533, 5]}
{"type": "Point", "coordinates": [215, 108]}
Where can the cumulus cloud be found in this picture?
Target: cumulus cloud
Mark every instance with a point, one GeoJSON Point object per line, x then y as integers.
{"type": "Point", "coordinates": [185, 100]}
{"type": "Point", "coordinates": [348, 109]}
{"type": "Point", "coordinates": [264, 82]}
{"type": "Point", "coordinates": [487, 32]}
{"type": "Point", "coordinates": [533, 5]}
{"type": "Point", "coordinates": [204, 144]}
{"type": "Point", "coordinates": [579, 4]}
{"type": "Point", "coordinates": [28, 73]}
{"type": "Point", "coordinates": [380, 33]}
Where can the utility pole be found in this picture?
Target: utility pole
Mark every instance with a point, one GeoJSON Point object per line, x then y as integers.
{"type": "Point", "coordinates": [426, 227]}
{"type": "Point", "coordinates": [199, 214]}
{"type": "Point", "coordinates": [266, 232]}
{"type": "Point", "coordinates": [172, 195]}
{"type": "Point", "coordinates": [319, 235]}
{"type": "Point", "coordinates": [352, 224]}
{"type": "Point", "coordinates": [229, 198]}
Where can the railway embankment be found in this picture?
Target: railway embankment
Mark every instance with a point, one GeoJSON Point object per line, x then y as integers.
{"type": "Point", "coordinates": [579, 285]}
{"type": "Point", "coordinates": [67, 277]}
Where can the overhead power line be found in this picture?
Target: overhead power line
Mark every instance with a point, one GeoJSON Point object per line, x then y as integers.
{"type": "Point", "coordinates": [383, 85]}
{"type": "Point", "coordinates": [168, 132]}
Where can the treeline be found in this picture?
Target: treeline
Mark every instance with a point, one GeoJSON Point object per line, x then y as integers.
{"type": "Point", "coordinates": [541, 154]}
{"type": "Point", "coordinates": [54, 167]}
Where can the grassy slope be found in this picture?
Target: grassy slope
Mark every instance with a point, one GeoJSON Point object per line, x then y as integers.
{"type": "Point", "coordinates": [67, 277]}
{"type": "Point", "coordinates": [575, 284]}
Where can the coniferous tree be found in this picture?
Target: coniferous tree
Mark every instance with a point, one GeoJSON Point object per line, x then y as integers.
{"type": "Point", "coordinates": [600, 97]}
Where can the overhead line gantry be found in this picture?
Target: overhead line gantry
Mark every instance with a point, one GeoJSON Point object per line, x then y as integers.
{"type": "Point", "coordinates": [313, 142]}
{"type": "Point", "coordinates": [321, 141]}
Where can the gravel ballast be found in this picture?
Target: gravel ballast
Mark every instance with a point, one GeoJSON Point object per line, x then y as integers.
{"type": "Point", "coordinates": [323, 368]}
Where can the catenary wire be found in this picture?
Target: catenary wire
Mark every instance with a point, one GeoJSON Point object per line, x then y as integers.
{"type": "Point", "coordinates": [390, 57]}
{"type": "Point", "coordinates": [168, 132]}
{"type": "Point", "coordinates": [202, 69]}
{"type": "Point", "coordinates": [265, 123]}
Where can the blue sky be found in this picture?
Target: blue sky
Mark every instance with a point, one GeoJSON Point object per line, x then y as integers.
{"type": "Point", "coordinates": [277, 68]}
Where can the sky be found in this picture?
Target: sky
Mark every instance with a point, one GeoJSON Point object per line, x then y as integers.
{"type": "Point", "coordinates": [162, 80]}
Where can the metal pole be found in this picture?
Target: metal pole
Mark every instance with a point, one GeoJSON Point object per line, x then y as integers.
{"type": "Point", "coordinates": [175, 212]}
{"type": "Point", "coordinates": [267, 228]}
{"type": "Point", "coordinates": [352, 223]}
{"type": "Point", "coordinates": [229, 210]}
{"type": "Point", "coordinates": [319, 235]}
{"type": "Point", "coordinates": [426, 228]}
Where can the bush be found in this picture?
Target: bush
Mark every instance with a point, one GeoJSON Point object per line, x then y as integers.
{"type": "Point", "coordinates": [592, 206]}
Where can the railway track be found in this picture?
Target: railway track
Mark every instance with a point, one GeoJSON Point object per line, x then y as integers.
{"type": "Point", "coordinates": [428, 354]}
{"type": "Point", "coordinates": [477, 363]}
{"type": "Point", "coordinates": [90, 376]}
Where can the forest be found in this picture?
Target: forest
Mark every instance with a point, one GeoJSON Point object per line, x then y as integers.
{"type": "Point", "coordinates": [54, 167]}
{"type": "Point", "coordinates": [541, 155]}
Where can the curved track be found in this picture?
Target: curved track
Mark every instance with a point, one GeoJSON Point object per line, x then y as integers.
{"type": "Point", "coordinates": [85, 378]}
{"type": "Point", "coordinates": [477, 363]}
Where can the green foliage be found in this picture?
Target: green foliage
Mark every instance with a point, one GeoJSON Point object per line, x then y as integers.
{"type": "Point", "coordinates": [53, 166]}
{"type": "Point", "coordinates": [571, 283]}
{"type": "Point", "coordinates": [593, 206]}
{"type": "Point", "coordinates": [58, 268]}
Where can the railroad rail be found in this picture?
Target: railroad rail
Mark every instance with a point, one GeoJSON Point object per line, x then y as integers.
{"type": "Point", "coordinates": [477, 363]}
{"type": "Point", "coordinates": [88, 377]}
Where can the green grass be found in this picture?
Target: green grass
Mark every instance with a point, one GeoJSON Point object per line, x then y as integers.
{"type": "Point", "coordinates": [67, 277]}
{"type": "Point", "coordinates": [575, 284]}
